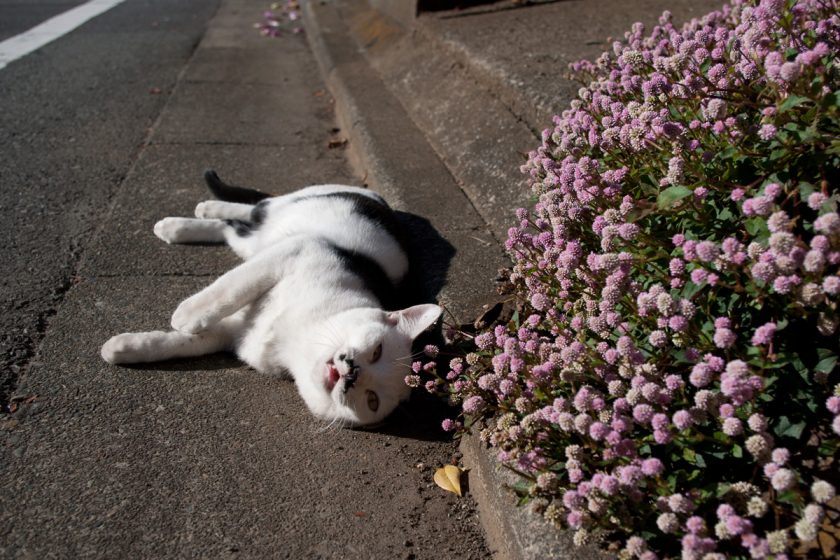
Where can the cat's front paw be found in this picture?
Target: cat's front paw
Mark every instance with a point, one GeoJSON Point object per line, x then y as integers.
{"type": "Point", "coordinates": [126, 348]}
{"type": "Point", "coordinates": [188, 317]}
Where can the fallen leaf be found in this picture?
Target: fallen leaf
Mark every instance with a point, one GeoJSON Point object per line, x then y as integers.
{"type": "Point", "coordinates": [449, 478]}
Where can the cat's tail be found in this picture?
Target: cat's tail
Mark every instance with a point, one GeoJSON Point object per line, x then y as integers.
{"type": "Point", "coordinates": [231, 193]}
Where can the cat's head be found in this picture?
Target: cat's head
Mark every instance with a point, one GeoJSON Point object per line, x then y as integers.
{"type": "Point", "coordinates": [357, 372]}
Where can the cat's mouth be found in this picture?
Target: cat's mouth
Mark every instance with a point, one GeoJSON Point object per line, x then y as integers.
{"type": "Point", "coordinates": [332, 376]}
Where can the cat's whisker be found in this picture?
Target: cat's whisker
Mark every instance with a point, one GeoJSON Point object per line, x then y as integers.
{"type": "Point", "coordinates": [330, 332]}
{"type": "Point", "coordinates": [324, 344]}
{"type": "Point", "coordinates": [410, 357]}
{"type": "Point", "coordinates": [326, 427]}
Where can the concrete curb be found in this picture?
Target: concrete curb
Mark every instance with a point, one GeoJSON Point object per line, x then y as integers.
{"type": "Point", "coordinates": [512, 533]}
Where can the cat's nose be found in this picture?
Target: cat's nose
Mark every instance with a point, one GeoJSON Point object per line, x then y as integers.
{"type": "Point", "coordinates": [350, 377]}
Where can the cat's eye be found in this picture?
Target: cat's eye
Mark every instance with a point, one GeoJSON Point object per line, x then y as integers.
{"type": "Point", "coordinates": [376, 354]}
{"type": "Point", "coordinates": [372, 400]}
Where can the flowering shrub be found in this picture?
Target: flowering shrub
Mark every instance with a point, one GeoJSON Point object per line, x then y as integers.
{"type": "Point", "coordinates": [668, 383]}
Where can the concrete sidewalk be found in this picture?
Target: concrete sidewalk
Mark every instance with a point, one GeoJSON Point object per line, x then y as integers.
{"type": "Point", "coordinates": [466, 93]}
{"type": "Point", "coordinates": [206, 458]}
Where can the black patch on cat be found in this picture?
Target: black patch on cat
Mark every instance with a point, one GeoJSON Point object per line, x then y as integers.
{"type": "Point", "coordinates": [375, 210]}
{"type": "Point", "coordinates": [259, 212]}
{"type": "Point", "coordinates": [370, 273]}
{"type": "Point", "coordinates": [242, 229]}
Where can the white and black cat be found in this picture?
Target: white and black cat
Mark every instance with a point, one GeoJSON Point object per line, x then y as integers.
{"type": "Point", "coordinates": [313, 299]}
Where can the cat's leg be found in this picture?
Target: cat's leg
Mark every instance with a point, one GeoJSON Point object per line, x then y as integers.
{"type": "Point", "coordinates": [233, 291]}
{"type": "Point", "coordinates": [191, 230]}
{"type": "Point", "coordinates": [156, 346]}
{"type": "Point", "coordinates": [219, 210]}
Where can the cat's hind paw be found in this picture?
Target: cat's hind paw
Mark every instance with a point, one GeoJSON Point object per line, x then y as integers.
{"type": "Point", "coordinates": [170, 229]}
{"type": "Point", "coordinates": [129, 348]}
{"type": "Point", "coordinates": [190, 230]}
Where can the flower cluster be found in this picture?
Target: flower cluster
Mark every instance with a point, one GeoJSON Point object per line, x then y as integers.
{"type": "Point", "coordinates": [668, 376]}
{"type": "Point", "coordinates": [279, 13]}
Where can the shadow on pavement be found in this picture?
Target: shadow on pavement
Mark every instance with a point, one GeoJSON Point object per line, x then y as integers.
{"type": "Point", "coordinates": [430, 255]}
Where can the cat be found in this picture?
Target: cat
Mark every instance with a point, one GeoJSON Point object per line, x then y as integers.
{"type": "Point", "coordinates": [315, 297]}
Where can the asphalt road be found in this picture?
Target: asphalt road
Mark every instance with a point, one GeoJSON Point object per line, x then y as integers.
{"type": "Point", "coordinates": [74, 116]}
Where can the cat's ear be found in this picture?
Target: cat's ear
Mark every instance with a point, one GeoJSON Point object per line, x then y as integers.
{"type": "Point", "coordinates": [414, 320]}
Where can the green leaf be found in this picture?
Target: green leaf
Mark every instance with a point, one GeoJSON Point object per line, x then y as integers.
{"type": "Point", "coordinates": [791, 102]}
{"type": "Point", "coordinates": [790, 497]}
{"type": "Point", "coordinates": [823, 353]}
{"type": "Point", "coordinates": [786, 428]}
{"type": "Point", "coordinates": [828, 448]}
{"type": "Point", "coordinates": [671, 195]}
{"type": "Point", "coordinates": [737, 451]}
{"type": "Point", "coordinates": [780, 153]}
{"type": "Point", "coordinates": [805, 190]}
{"type": "Point", "coordinates": [689, 455]}
{"type": "Point", "coordinates": [826, 365]}
{"type": "Point", "coordinates": [757, 227]}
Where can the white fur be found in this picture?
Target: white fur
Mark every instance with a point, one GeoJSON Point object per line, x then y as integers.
{"type": "Point", "coordinates": [292, 307]}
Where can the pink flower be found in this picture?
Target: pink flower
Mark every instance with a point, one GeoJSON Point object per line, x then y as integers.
{"type": "Point", "coordinates": [724, 338]}
{"type": "Point", "coordinates": [695, 525]}
{"type": "Point", "coordinates": [764, 334]}
{"type": "Point", "coordinates": [698, 276]}
{"type": "Point", "coordinates": [732, 427]}
{"type": "Point", "coordinates": [790, 71]}
{"type": "Point", "coordinates": [642, 413]}
{"type": "Point", "coordinates": [539, 301]}
{"type": "Point", "coordinates": [707, 251]}
{"type": "Point", "coordinates": [767, 132]}
{"type": "Point", "coordinates": [598, 431]}
{"type": "Point", "coordinates": [682, 419]}
{"type": "Point", "coordinates": [701, 375]}
{"type": "Point", "coordinates": [473, 404]}
{"type": "Point", "coordinates": [658, 339]}
{"type": "Point", "coordinates": [831, 285]}
{"type": "Point", "coordinates": [652, 467]}
{"type": "Point", "coordinates": [783, 479]}
{"type": "Point", "coordinates": [737, 525]}
{"type": "Point", "coordinates": [780, 455]}
{"type": "Point", "coordinates": [816, 200]}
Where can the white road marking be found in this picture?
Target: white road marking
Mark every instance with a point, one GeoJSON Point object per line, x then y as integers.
{"type": "Point", "coordinates": [50, 30]}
